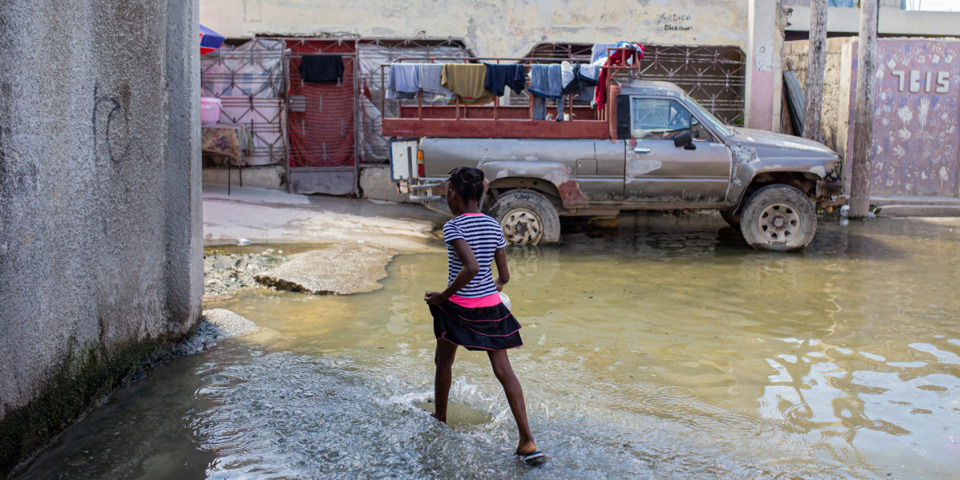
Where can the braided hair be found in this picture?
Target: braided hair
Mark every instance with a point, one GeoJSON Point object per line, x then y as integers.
{"type": "Point", "coordinates": [467, 182]}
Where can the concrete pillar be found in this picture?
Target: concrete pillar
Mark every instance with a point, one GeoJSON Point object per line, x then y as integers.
{"type": "Point", "coordinates": [100, 225]}
{"type": "Point", "coordinates": [764, 65]}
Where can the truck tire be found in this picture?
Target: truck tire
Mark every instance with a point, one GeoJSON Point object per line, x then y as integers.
{"type": "Point", "coordinates": [779, 218]}
{"type": "Point", "coordinates": [526, 217]}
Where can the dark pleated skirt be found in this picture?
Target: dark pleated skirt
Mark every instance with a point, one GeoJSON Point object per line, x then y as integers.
{"type": "Point", "coordinates": [484, 328]}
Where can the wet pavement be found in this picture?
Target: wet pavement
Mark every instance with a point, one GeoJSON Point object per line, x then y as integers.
{"type": "Point", "coordinates": [665, 348]}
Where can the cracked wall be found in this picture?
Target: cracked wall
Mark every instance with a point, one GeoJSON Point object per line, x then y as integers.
{"type": "Point", "coordinates": [491, 28]}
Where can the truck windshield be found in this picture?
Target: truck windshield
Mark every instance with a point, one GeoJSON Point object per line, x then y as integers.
{"type": "Point", "coordinates": [707, 116]}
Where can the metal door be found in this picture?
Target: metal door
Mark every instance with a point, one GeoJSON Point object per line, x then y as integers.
{"type": "Point", "coordinates": [322, 121]}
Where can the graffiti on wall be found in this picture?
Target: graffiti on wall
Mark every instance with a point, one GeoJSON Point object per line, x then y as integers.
{"type": "Point", "coordinates": [111, 133]}
{"type": "Point", "coordinates": [916, 137]}
{"type": "Point", "coordinates": [675, 22]}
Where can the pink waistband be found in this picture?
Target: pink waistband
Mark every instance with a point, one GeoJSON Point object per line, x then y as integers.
{"type": "Point", "coordinates": [488, 301]}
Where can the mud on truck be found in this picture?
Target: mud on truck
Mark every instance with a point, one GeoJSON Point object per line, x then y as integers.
{"type": "Point", "coordinates": [651, 147]}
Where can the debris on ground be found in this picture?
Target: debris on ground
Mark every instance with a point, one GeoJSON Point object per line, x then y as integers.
{"type": "Point", "coordinates": [343, 269]}
{"type": "Point", "coordinates": [228, 272]}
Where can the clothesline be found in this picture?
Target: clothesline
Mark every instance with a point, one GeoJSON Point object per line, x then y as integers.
{"type": "Point", "coordinates": [480, 83]}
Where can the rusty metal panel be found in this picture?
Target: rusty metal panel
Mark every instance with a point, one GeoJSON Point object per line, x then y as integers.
{"type": "Point", "coordinates": [485, 128]}
{"type": "Point", "coordinates": [915, 133]}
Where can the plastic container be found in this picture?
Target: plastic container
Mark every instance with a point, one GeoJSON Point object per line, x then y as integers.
{"type": "Point", "coordinates": [506, 300]}
{"type": "Point", "coordinates": [209, 110]}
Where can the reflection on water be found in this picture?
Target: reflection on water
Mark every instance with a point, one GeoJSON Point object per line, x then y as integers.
{"type": "Point", "coordinates": [655, 350]}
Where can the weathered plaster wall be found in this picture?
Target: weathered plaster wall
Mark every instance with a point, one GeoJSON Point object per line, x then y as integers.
{"type": "Point", "coordinates": [100, 226]}
{"type": "Point", "coordinates": [491, 28]}
{"type": "Point", "coordinates": [795, 57]}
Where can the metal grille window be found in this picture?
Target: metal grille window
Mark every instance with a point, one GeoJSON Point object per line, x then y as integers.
{"type": "Point", "coordinates": [714, 75]}
{"type": "Point", "coordinates": [250, 82]}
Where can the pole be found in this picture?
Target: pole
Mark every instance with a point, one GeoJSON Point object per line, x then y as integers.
{"type": "Point", "coordinates": [863, 123]}
{"type": "Point", "coordinates": [815, 60]}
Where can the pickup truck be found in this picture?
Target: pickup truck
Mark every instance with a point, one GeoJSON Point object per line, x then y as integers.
{"type": "Point", "coordinates": [653, 148]}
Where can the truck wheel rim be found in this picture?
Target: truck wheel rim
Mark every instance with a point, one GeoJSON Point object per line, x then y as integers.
{"type": "Point", "coordinates": [521, 227]}
{"type": "Point", "coordinates": [779, 222]}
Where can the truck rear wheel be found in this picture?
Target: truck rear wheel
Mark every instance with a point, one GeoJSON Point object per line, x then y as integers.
{"type": "Point", "coordinates": [778, 218]}
{"type": "Point", "coordinates": [526, 217]}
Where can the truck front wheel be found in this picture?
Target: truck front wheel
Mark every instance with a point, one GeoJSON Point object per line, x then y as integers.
{"type": "Point", "coordinates": [778, 218]}
{"type": "Point", "coordinates": [526, 217]}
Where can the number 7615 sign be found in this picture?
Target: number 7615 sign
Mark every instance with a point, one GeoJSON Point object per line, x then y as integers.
{"type": "Point", "coordinates": [919, 81]}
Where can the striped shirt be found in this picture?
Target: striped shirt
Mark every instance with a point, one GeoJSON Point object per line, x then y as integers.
{"type": "Point", "coordinates": [484, 236]}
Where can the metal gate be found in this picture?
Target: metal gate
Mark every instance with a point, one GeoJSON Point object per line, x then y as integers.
{"type": "Point", "coordinates": [322, 120]}
{"type": "Point", "coordinates": [249, 80]}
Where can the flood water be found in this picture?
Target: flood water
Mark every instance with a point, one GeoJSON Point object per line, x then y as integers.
{"type": "Point", "coordinates": [656, 350]}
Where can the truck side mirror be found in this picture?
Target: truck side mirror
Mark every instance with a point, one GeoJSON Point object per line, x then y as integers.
{"type": "Point", "coordinates": [683, 139]}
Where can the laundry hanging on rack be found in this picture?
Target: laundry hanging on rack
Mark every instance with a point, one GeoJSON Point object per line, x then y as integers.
{"type": "Point", "coordinates": [573, 80]}
{"type": "Point", "coordinates": [601, 50]}
{"type": "Point", "coordinates": [321, 68]}
{"type": "Point", "coordinates": [500, 76]}
{"type": "Point", "coordinates": [617, 58]}
{"type": "Point", "coordinates": [591, 71]}
{"type": "Point", "coordinates": [431, 75]}
{"type": "Point", "coordinates": [546, 81]}
{"type": "Point", "coordinates": [566, 74]}
{"type": "Point", "coordinates": [466, 80]}
{"type": "Point", "coordinates": [403, 81]}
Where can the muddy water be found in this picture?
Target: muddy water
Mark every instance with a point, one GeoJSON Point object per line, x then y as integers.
{"type": "Point", "coordinates": [655, 351]}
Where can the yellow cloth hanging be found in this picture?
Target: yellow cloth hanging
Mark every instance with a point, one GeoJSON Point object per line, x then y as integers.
{"type": "Point", "coordinates": [466, 81]}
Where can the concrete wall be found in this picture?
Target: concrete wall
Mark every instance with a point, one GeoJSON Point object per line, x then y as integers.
{"type": "Point", "coordinates": [100, 225]}
{"type": "Point", "coordinates": [795, 59]}
{"type": "Point", "coordinates": [490, 28]}
{"type": "Point", "coordinates": [264, 176]}
{"type": "Point", "coordinates": [375, 184]}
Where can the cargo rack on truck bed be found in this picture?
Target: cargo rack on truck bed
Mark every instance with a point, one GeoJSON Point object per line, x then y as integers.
{"type": "Point", "coordinates": [459, 120]}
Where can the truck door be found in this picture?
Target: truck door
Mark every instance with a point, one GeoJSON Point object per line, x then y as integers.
{"type": "Point", "coordinates": [600, 176]}
{"type": "Point", "coordinates": [659, 173]}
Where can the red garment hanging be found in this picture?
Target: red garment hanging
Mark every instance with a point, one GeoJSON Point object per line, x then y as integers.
{"type": "Point", "coordinates": [619, 57]}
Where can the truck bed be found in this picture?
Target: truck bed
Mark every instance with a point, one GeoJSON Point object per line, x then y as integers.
{"type": "Point", "coordinates": [491, 121]}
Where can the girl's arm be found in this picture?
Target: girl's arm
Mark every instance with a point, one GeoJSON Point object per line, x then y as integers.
{"type": "Point", "coordinates": [469, 270]}
{"type": "Point", "coordinates": [503, 273]}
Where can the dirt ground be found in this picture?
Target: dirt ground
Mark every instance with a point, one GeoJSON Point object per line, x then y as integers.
{"type": "Point", "coordinates": [262, 216]}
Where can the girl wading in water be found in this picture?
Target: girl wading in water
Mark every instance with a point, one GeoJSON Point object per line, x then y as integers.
{"type": "Point", "coordinates": [469, 312]}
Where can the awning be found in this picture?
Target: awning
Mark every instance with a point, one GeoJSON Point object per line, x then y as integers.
{"type": "Point", "coordinates": [210, 41]}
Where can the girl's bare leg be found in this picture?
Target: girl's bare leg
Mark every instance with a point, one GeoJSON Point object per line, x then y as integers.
{"type": "Point", "coordinates": [511, 386]}
{"type": "Point", "coordinates": [446, 352]}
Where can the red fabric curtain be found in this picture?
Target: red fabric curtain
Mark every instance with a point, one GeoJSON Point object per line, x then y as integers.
{"type": "Point", "coordinates": [323, 135]}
